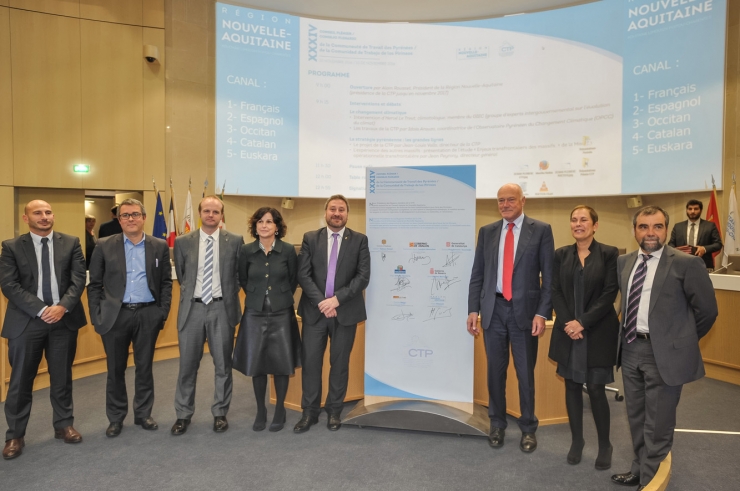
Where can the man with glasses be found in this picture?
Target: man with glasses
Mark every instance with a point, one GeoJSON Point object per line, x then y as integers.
{"type": "Point", "coordinates": [129, 298]}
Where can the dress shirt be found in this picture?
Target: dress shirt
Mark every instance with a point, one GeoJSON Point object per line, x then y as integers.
{"type": "Point", "coordinates": [696, 231]}
{"type": "Point", "coordinates": [330, 241]}
{"type": "Point", "coordinates": [38, 246]}
{"type": "Point", "coordinates": [216, 275]}
{"type": "Point", "coordinates": [502, 241]}
{"type": "Point", "coordinates": [643, 311]}
{"type": "Point", "coordinates": [272, 246]}
{"type": "Point", "coordinates": [137, 287]}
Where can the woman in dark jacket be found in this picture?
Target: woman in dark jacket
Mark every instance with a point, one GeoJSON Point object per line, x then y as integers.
{"type": "Point", "coordinates": [268, 340]}
{"type": "Point", "coordinates": [584, 336]}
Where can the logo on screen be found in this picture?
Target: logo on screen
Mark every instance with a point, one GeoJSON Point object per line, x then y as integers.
{"type": "Point", "coordinates": [313, 43]}
{"type": "Point", "coordinates": [420, 353]}
{"type": "Point", "coordinates": [506, 49]}
{"type": "Point", "coordinates": [544, 164]}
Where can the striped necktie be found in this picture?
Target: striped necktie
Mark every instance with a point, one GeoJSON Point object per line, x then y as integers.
{"type": "Point", "coordinates": [633, 304]}
{"type": "Point", "coordinates": [207, 289]}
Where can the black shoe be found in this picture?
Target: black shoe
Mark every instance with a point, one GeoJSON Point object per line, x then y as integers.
{"type": "Point", "coordinates": [575, 453]}
{"type": "Point", "coordinates": [180, 426]}
{"type": "Point", "coordinates": [640, 487]}
{"type": "Point", "coordinates": [528, 443]}
{"type": "Point", "coordinates": [277, 423]}
{"type": "Point", "coordinates": [114, 429]}
{"type": "Point", "coordinates": [604, 459]}
{"type": "Point", "coordinates": [305, 424]}
{"type": "Point", "coordinates": [627, 479]}
{"type": "Point", "coordinates": [496, 437]}
{"type": "Point", "coordinates": [334, 422]}
{"type": "Point", "coordinates": [147, 423]}
{"type": "Point", "coordinates": [220, 424]}
{"type": "Point", "coordinates": [259, 423]}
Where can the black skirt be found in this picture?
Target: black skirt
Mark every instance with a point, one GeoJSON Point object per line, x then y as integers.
{"type": "Point", "coordinates": [268, 342]}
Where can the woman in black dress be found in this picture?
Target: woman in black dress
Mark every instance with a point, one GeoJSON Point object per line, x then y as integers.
{"type": "Point", "coordinates": [584, 336]}
{"type": "Point", "coordinates": [268, 340]}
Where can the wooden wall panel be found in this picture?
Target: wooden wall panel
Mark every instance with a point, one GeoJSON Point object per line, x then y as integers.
{"type": "Point", "coordinates": [69, 8]}
{"type": "Point", "coordinates": [6, 102]}
{"type": "Point", "coordinates": [112, 119]}
{"type": "Point", "coordinates": [153, 13]}
{"type": "Point", "coordinates": [45, 57]}
{"type": "Point", "coordinates": [154, 110]}
{"type": "Point", "coordinates": [68, 206]}
{"type": "Point", "coordinates": [119, 11]}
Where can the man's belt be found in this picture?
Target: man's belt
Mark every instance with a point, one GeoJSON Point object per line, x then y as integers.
{"type": "Point", "coordinates": [134, 306]}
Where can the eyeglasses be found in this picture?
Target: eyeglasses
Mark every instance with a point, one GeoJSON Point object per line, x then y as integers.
{"type": "Point", "coordinates": [135, 215]}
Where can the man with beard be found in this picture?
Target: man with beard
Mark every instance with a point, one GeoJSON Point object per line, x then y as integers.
{"type": "Point", "coordinates": [333, 270]}
{"type": "Point", "coordinates": [668, 304]}
{"type": "Point", "coordinates": [696, 236]}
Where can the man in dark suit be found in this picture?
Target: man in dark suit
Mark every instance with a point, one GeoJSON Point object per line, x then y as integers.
{"type": "Point", "coordinates": [696, 236]}
{"type": "Point", "coordinates": [209, 310]}
{"type": "Point", "coordinates": [42, 273]}
{"type": "Point", "coordinates": [511, 257]}
{"type": "Point", "coordinates": [112, 227]}
{"type": "Point", "coordinates": [668, 304]}
{"type": "Point", "coordinates": [129, 298]}
{"type": "Point", "coordinates": [333, 270]}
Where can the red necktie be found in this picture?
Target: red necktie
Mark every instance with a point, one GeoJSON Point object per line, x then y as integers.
{"type": "Point", "coordinates": [508, 262]}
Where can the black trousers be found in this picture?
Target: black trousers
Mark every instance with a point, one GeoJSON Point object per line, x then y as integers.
{"type": "Point", "coordinates": [140, 327]}
{"type": "Point", "coordinates": [59, 345]}
{"type": "Point", "coordinates": [312, 358]}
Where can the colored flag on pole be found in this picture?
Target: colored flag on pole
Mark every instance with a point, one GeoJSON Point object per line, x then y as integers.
{"type": "Point", "coordinates": [160, 225]}
{"type": "Point", "coordinates": [713, 214]}
{"type": "Point", "coordinates": [222, 225]}
{"type": "Point", "coordinates": [187, 219]}
{"type": "Point", "coordinates": [732, 245]}
{"type": "Point", "coordinates": [172, 222]}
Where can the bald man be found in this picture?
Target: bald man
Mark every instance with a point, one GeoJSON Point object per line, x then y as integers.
{"type": "Point", "coordinates": [510, 289]}
{"type": "Point", "coordinates": [43, 275]}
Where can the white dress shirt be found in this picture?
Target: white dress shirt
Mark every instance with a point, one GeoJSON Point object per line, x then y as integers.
{"type": "Point", "coordinates": [216, 277]}
{"type": "Point", "coordinates": [502, 241]}
{"type": "Point", "coordinates": [38, 246]}
{"type": "Point", "coordinates": [643, 310]}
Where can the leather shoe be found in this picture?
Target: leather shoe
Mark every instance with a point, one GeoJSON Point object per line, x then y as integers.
{"type": "Point", "coordinates": [305, 424]}
{"type": "Point", "coordinates": [114, 429]}
{"type": "Point", "coordinates": [496, 437]}
{"type": "Point", "coordinates": [640, 487]}
{"type": "Point", "coordinates": [528, 444]}
{"type": "Point", "coordinates": [13, 448]}
{"type": "Point", "coordinates": [220, 424]}
{"type": "Point", "coordinates": [334, 422]}
{"type": "Point", "coordinates": [180, 426]}
{"type": "Point", "coordinates": [627, 479]}
{"type": "Point", "coordinates": [147, 423]}
{"type": "Point", "coordinates": [69, 434]}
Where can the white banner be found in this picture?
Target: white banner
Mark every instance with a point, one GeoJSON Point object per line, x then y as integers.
{"type": "Point", "coordinates": [421, 229]}
{"type": "Point", "coordinates": [732, 245]}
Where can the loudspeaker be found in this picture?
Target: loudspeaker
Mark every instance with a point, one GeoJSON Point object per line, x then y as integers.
{"type": "Point", "coordinates": [634, 202]}
{"type": "Point", "coordinates": [287, 204]}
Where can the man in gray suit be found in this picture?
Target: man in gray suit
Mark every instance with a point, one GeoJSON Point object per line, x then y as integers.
{"type": "Point", "coordinates": [510, 288]}
{"type": "Point", "coordinates": [129, 296]}
{"type": "Point", "coordinates": [206, 265]}
{"type": "Point", "coordinates": [43, 275]}
{"type": "Point", "coordinates": [668, 304]}
{"type": "Point", "coordinates": [333, 270]}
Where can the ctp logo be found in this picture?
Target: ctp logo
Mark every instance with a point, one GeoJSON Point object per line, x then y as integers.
{"type": "Point", "coordinates": [420, 353]}
{"type": "Point", "coordinates": [506, 49]}
{"type": "Point", "coordinates": [371, 183]}
{"type": "Point", "coordinates": [313, 43]}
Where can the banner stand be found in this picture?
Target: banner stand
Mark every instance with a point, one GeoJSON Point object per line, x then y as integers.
{"type": "Point", "coordinates": [416, 415]}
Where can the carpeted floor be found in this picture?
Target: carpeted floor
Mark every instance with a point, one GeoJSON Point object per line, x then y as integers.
{"type": "Point", "coordinates": [350, 459]}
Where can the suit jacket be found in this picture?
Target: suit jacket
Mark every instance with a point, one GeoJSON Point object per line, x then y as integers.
{"type": "Point", "coordinates": [19, 280]}
{"type": "Point", "coordinates": [107, 229]}
{"type": "Point", "coordinates": [89, 247]}
{"type": "Point", "coordinates": [599, 319]}
{"type": "Point", "coordinates": [682, 310]}
{"type": "Point", "coordinates": [534, 256]}
{"type": "Point", "coordinates": [108, 279]}
{"type": "Point", "coordinates": [707, 237]}
{"type": "Point", "coordinates": [276, 273]}
{"type": "Point", "coordinates": [352, 275]}
{"type": "Point", "coordinates": [186, 267]}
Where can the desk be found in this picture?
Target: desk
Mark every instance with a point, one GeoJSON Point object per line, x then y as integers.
{"type": "Point", "coordinates": [720, 348]}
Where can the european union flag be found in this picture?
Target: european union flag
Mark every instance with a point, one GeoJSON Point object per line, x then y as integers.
{"type": "Point", "coordinates": [160, 224]}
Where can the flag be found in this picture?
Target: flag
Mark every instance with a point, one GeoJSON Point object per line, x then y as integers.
{"type": "Point", "coordinates": [160, 226]}
{"type": "Point", "coordinates": [187, 219]}
{"type": "Point", "coordinates": [732, 245]}
{"type": "Point", "coordinates": [713, 214]}
{"type": "Point", "coordinates": [172, 221]}
{"type": "Point", "coordinates": [222, 225]}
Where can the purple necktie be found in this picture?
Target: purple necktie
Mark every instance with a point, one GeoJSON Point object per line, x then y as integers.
{"type": "Point", "coordinates": [633, 303]}
{"type": "Point", "coordinates": [332, 268]}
